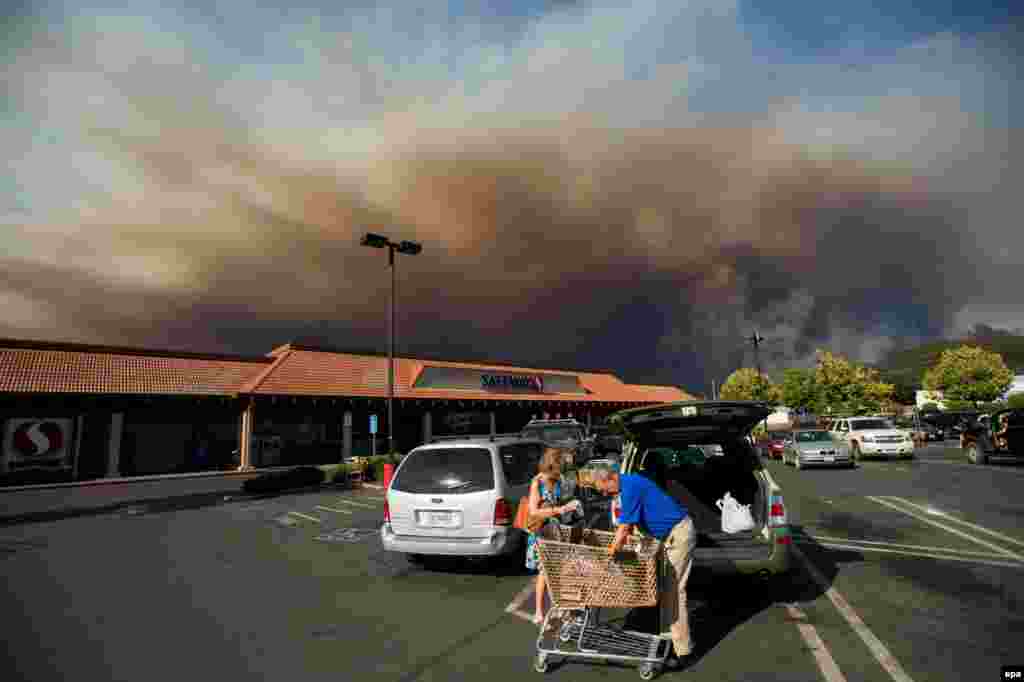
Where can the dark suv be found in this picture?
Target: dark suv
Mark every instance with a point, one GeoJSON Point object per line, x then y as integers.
{"type": "Point", "coordinates": [563, 433]}
{"type": "Point", "coordinates": [605, 440]}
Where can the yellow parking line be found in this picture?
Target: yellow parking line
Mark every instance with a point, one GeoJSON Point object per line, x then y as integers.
{"type": "Point", "coordinates": [332, 509]}
{"type": "Point", "coordinates": [304, 516]}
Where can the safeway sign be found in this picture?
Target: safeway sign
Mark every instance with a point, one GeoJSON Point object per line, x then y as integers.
{"type": "Point", "coordinates": [30, 442]}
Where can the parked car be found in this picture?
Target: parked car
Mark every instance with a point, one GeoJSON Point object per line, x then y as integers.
{"type": "Point", "coordinates": [773, 444]}
{"type": "Point", "coordinates": [605, 440]}
{"type": "Point", "coordinates": [984, 441]}
{"type": "Point", "coordinates": [816, 447]}
{"type": "Point", "coordinates": [873, 437]}
{"type": "Point", "coordinates": [563, 433]}
{"type": "Point", "coordinates": [459, 497]}
{"type": "Point", "coordinates": [661, 443]}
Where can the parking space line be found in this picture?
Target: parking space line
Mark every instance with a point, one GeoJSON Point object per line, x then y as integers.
{"type": "Point", "coordinates": [358, 504]}
{"type": "Point", "coordinates": [954, 531]}
{"type": "Point", "coordinates": [964, 559]}
{"type": "Point", "coordinates": [948, 550]}
{"type": "Point", "coordinates": [822, 656]}
{"type": "Point", "coordinates": [332, 509]}
{"type": "Point", "coordinates": [304, 516]}
{"type": "Point", "coordinates": [875, 645]}
{"type": "Point", "coordinates": [521, 597]}
{"type": "Point", "coordinates": [949, 517]}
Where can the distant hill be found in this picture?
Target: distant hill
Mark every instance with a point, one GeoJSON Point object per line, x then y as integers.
{"type": "Point", "coordinates": [907, 366]}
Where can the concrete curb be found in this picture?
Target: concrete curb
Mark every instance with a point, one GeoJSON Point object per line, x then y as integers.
{"type": "Point", "coordinates": [128, 480]}
{"type": "Point", "coordinates": [198, 499]}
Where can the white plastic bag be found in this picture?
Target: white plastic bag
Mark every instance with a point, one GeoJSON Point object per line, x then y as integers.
{"type": "Point", "coordinates": [736, 517]}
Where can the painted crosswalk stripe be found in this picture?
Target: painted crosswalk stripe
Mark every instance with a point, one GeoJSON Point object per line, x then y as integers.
{"type": "Point", "coordinates": [950, 517]}
{"type": "Point", "coordinates": [332, 509]}
{"type": "Point", "coordinates": [304, 516]}
{"type": "Point", "coordinates": [950, 529]}
{"type": "Point", "coordinates": [358, 504]}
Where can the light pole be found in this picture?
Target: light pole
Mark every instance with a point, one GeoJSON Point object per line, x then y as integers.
{"type": "Point", "coordinates": [410, 248]}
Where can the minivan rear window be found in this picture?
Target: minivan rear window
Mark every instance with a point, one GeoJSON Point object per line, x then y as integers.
{"type": "Point", "coordinates": [448, 471]}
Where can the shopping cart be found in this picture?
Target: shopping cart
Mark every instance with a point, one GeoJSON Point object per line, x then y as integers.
{"type": "Point", "coordinates": [583, 579]}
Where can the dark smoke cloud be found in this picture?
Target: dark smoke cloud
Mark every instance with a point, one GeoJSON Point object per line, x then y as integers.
{"type": "Point", "coordinates": [648, 251]}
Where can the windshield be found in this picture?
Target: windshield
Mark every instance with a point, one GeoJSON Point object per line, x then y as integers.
{"type": "Point", "coordinates": [869, 424]}
{"type": "Point", "coordinates": [813, 437]}
{"type": "Point", "coordinates": [550, 434]}
{"type": "Point", "coordinates": [446, 471]}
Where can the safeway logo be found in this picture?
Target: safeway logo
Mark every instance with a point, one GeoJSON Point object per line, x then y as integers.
{"type": "Point", "coordinates": [38, 439]}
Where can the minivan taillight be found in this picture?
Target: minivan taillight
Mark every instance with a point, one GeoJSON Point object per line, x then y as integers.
{"type": "Point", "coordinates": [502, 512]}
{"type": "Point", "coordinates": [387, 512]}
{"type": "Point", "coordinates": [777, 512]}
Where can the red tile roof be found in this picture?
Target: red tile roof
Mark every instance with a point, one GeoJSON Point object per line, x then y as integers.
{"type": "Point", "coordinates": [299, 371]}
{"type": "Point", "coordinates": [290, 370]}
{"type": "Point", "coordinates": [36, 367]}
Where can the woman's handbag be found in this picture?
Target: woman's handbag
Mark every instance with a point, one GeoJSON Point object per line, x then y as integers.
{"type": "Point", "coordinates": [523, 520]}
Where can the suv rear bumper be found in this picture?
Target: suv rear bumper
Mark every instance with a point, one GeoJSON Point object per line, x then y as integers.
{"type": "Point", "coordinates": [499, 541]}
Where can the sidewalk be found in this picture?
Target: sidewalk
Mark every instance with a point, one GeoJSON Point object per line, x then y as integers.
{"type": "Point", "coordinates": [53, 503]}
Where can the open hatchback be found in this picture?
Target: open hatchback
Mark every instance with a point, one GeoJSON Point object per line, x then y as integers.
{"type": "Point", "coordinates": [697, 451]}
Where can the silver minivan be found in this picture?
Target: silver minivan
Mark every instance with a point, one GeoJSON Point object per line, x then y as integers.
{"type": "Point", "coordinates": [459, 497]}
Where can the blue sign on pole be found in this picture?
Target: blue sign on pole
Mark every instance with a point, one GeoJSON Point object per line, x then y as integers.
{"type": "Point", "coordinates": [373, 423]}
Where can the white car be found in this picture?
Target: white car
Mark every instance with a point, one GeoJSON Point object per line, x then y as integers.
{"type": "Point", "coordinates": [873, 437]}
{"type": "Point", "coordinates": [459, 498]}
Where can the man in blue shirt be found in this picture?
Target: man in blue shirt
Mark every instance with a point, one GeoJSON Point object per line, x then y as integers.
{"type": "Point", "coordinates": [644, 504]}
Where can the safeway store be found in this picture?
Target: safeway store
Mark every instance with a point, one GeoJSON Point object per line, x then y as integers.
{"type": "Point", "coordinates": [77, 412]}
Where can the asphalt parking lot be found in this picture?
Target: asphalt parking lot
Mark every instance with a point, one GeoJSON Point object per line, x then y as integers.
{"type": "Point", "coordinates": [916, 575]}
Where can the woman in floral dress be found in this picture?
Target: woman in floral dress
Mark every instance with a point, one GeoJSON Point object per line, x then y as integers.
{"type": "Point", "coordinates": [545, 492]}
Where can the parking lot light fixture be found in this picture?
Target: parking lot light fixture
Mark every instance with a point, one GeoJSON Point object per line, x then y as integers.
{"type": "Point", "coordinates": [378, 241]}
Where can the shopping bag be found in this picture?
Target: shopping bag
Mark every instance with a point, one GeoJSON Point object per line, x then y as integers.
{"type": "Point", "coordinates": [736, 517]}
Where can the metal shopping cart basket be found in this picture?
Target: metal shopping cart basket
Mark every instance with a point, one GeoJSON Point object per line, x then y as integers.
{"type": "Point", "coordinates": [583, 579]}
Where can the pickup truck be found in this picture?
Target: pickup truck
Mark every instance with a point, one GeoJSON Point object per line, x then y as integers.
{"type": "Point", "coordinates": [999, 437]}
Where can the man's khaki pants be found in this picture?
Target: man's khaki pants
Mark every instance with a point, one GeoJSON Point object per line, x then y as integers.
{"type": "Point", "coordinates": [675, 622]}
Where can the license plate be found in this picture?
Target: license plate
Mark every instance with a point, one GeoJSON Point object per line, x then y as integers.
{"type": "Point", "coordinates": [436, 518]}
{"type": "Point", "coordinates": [830, 458]}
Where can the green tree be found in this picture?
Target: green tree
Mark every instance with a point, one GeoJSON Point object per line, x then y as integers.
{"type": "Point", "coordinates": [1016, 401]}
{"type": "Point", "coordinates": [799, 389]}
{"type": "Point", "coordinates": [850, 388]}
{"type": "Point", "coordinates": [929, 407]}
{"type": "Point", "coordinates": [746, 384]}
{"type": "Point", "coordinates": [967, 375]}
